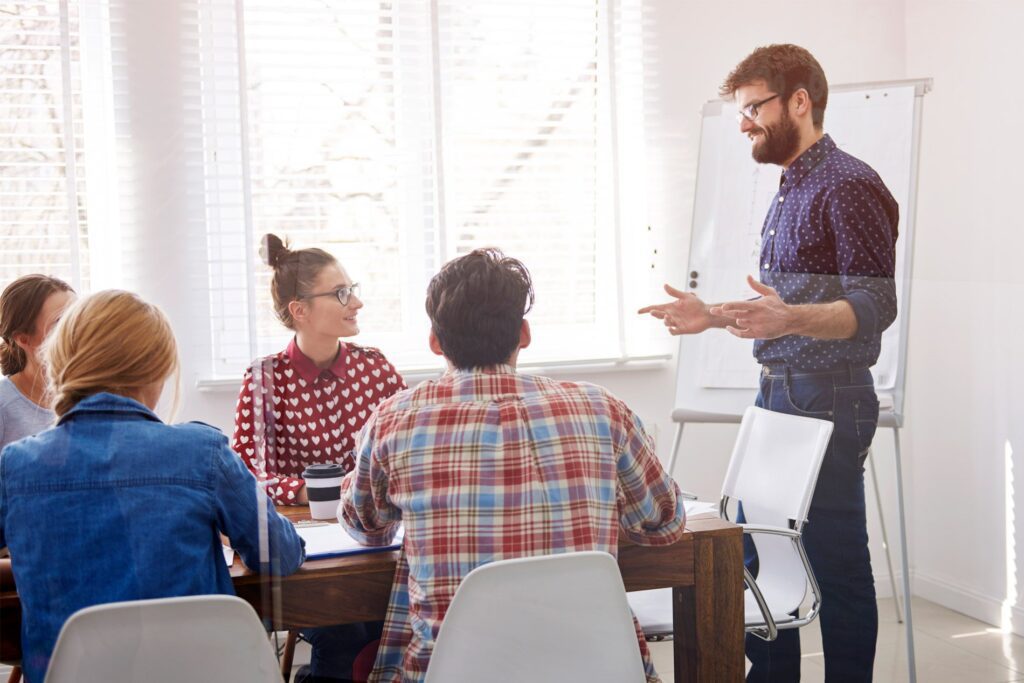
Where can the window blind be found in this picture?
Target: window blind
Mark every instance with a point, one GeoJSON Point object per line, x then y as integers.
{"type": "Point", "coordinates": [42, 147]}
{"type": "Point", "coordinates": [331, 149]}
{"type": "Point", "coordinates": [399, 134]}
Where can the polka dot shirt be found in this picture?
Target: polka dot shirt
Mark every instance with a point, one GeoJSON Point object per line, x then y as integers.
{"type": "Point", "coordinates": [294, 414]}
{"type": "Point", "coordinates": [830, 234]}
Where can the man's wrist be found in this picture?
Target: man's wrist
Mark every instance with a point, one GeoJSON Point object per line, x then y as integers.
{"type": "Point", "coordinates": [717, 321]}
{"type": "Point", "coordinates": [796, 319]}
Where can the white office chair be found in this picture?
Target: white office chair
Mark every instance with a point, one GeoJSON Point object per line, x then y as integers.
{"type": "Point", "coordinates": [773, 470]}
{"type": "Point", "coordinates": [197, 638]}
{"type": "Point", "coordinates": [547, 618]}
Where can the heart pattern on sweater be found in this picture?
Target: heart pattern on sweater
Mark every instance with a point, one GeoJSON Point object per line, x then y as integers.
{"type": "Point", "coordinates": [285, 421]}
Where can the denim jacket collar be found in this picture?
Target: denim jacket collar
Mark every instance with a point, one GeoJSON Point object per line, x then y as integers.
{"type": "Point", "coordinates": [104, 402]}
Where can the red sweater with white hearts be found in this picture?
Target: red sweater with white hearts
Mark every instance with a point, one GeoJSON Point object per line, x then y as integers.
{"type": "Point", "coordinates": [291, 414]}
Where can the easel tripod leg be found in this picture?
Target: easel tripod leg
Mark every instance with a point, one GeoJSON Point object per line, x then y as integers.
{"type": "Point", "coordinates": [885, 539]}
{"type": "Point", "coordinates": [909, 621]}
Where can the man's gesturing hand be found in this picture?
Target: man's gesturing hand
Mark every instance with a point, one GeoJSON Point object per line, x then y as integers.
{"type": "Point", "coordinates": [686, 315]}
{"type": "Point", "coordinates": [767, 317]}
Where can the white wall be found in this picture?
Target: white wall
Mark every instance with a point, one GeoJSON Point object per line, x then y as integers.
{"type": "Point", "coordinates": [964, 404]}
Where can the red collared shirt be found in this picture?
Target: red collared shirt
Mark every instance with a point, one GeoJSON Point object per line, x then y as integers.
{"type": "Point", "coordinates": [292, 414]}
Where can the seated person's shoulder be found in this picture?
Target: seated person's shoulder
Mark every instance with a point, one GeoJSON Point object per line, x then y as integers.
{"type": "Point", "coordinates": [201, 431]}
{"type": "Point", "coordinates": [266, 364]}
{"type": "Point", "coordinates": [594, 392]}
{"type": "Point", "coordinates": [597, 398]}
{"type": "Point", "coordinates": [369, 352]}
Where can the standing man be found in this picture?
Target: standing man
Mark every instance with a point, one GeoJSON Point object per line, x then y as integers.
{"type": "Point", "coordinates": [826, 293]}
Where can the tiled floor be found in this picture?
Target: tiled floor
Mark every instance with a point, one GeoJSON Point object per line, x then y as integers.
{"type": "Point", "coordinates": [950, 648]}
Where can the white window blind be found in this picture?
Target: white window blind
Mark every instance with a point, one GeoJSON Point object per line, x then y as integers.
{"type": "Point", "coordinates": [42, 146]}
{"type": "Point", "coordinates": [525, 103]}
{"type": "Point", "coordinates": [399, 134]}
{"type": "Point", "coordinates": [331, 120]}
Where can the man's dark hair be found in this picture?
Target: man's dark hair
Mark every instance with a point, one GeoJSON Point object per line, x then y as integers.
{"type": "Point", "coordinates": [476, 306]}
{"type": "Point", "coordinates": [785, 69]}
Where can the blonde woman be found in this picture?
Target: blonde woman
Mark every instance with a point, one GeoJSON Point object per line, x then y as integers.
{"type": "Point", "coordinates": [135, 506]}
{"type": "Point", "coordinates": [29, 308]}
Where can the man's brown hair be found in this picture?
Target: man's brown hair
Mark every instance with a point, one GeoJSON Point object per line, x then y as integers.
{"type": "Point", "coordinates": [785, 69]}
{"type": "Point", "coordinates": [476, 306]}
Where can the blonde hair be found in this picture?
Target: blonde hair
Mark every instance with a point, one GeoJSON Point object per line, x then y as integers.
{"type": "Point", "coordinates": [109, 341]}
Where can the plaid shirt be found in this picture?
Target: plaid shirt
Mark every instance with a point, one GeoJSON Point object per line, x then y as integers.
{"type": "Point", "coordinates": [487, 465]}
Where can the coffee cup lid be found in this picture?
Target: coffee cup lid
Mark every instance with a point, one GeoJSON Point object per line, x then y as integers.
{"type": "Point", "coordinates": [324, 471]}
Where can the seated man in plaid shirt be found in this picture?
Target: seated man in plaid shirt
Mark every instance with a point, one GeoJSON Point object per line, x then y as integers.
{"type": "Point", "coordinates": [486, 464]}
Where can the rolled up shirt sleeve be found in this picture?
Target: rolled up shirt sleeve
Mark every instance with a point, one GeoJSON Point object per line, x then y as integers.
{"type": "Point", "coordinates": [865, 230]}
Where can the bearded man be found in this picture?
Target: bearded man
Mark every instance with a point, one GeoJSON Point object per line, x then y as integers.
{"type": "Point", "coordinates": [826, 292]}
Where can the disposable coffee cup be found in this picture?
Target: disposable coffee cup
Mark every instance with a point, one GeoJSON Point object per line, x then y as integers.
{"type": "Point", "coordinates": [323, 488]}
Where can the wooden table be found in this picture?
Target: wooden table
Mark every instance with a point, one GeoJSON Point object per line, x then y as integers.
{"type": "Point", "coordinates": [704, 570]}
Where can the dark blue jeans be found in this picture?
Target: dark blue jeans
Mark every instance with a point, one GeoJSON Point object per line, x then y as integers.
{"type": "Point", "coordinates": [336, 647]}
{"type": "Point", "coordinates": [835, 536]}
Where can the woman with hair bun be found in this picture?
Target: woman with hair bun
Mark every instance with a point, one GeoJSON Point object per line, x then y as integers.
{"type": "Point", "coordinates": [306, 404]}
{"type": "Point", "coordinates": [29, 308]}
{"type": "Point", "coordinates": [135, 506]}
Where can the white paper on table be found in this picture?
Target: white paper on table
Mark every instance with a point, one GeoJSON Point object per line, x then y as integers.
{"type": "Point", "coordinates": [699, 507]}
{"type": "Point", "coordinates": [229, 554]}
{"type": "Point", "coordinates": [330, 540]}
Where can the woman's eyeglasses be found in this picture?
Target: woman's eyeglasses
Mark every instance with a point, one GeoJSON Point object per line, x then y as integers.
{"type": "Point", "coordinates": [342, 294]}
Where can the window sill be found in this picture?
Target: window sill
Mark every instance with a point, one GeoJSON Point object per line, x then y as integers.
{"type": "Point", "coordinates": [564, 369]}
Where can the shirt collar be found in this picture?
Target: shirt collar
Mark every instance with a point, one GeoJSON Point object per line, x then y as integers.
{"type": "Point", "coordinates": [307, 369]}
{"type": "Point", "coordinates": [502, 369]}
{"type": "Point", "coordinates": [104, 402]}
{"type": "Point", "coordinates": [808, 160]}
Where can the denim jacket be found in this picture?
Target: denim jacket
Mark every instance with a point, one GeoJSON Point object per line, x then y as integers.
{"type": "Point", "coordinates": [112, 504]}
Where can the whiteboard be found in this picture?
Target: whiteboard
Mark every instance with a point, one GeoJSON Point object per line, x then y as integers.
{"type": "Point", "coordinates": [879, 123]}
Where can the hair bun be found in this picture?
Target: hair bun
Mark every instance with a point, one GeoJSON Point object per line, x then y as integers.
{"type": "Point", "coordinates": [273, 250]}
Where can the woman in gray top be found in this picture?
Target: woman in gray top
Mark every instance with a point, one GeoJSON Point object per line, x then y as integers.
{"type": "Point", "coordinates": [29, 308]}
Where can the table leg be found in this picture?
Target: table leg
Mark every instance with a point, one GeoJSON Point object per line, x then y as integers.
{"type": "Point", "coordinates": [708, 616]}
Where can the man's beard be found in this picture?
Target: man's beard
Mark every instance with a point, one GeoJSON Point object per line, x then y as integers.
{"type": "Point", "coordinates": [778, 143]}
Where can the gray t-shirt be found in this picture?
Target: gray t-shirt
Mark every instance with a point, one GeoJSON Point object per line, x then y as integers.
{"type": "Point", "coordinates": [20, 417]}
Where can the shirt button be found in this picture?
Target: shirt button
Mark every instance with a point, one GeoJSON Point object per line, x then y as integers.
{"type": "Point", "coordinates": [765, 266]}
{"type": "Point", "coordinates": [771, 232]}
{"type": "Point", "coordinates": [781, 199]}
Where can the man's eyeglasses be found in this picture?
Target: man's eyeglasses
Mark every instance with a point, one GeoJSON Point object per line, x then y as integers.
{"type": "Point", "coordinates": [342, 294]}
{"type": "Point", "coordinates": [750, 111]}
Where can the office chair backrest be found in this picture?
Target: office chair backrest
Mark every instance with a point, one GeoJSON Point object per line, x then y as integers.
{"type": "Point", "coordinates": [775, 464]}
{"type": "Point", "coordinates": [197, 638]}
{"type": "Point", "coordinates": [548, 618]}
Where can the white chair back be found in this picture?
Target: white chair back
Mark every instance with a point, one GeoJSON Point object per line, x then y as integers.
{"type": "Point", "coordinates": [773, 470]}
{"type": "Point", "coordinates": [197, 638]}
{"type": "Point", "coordinates": [775, 465]}
{"type": "Point", "coordinates": [548, 618]}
